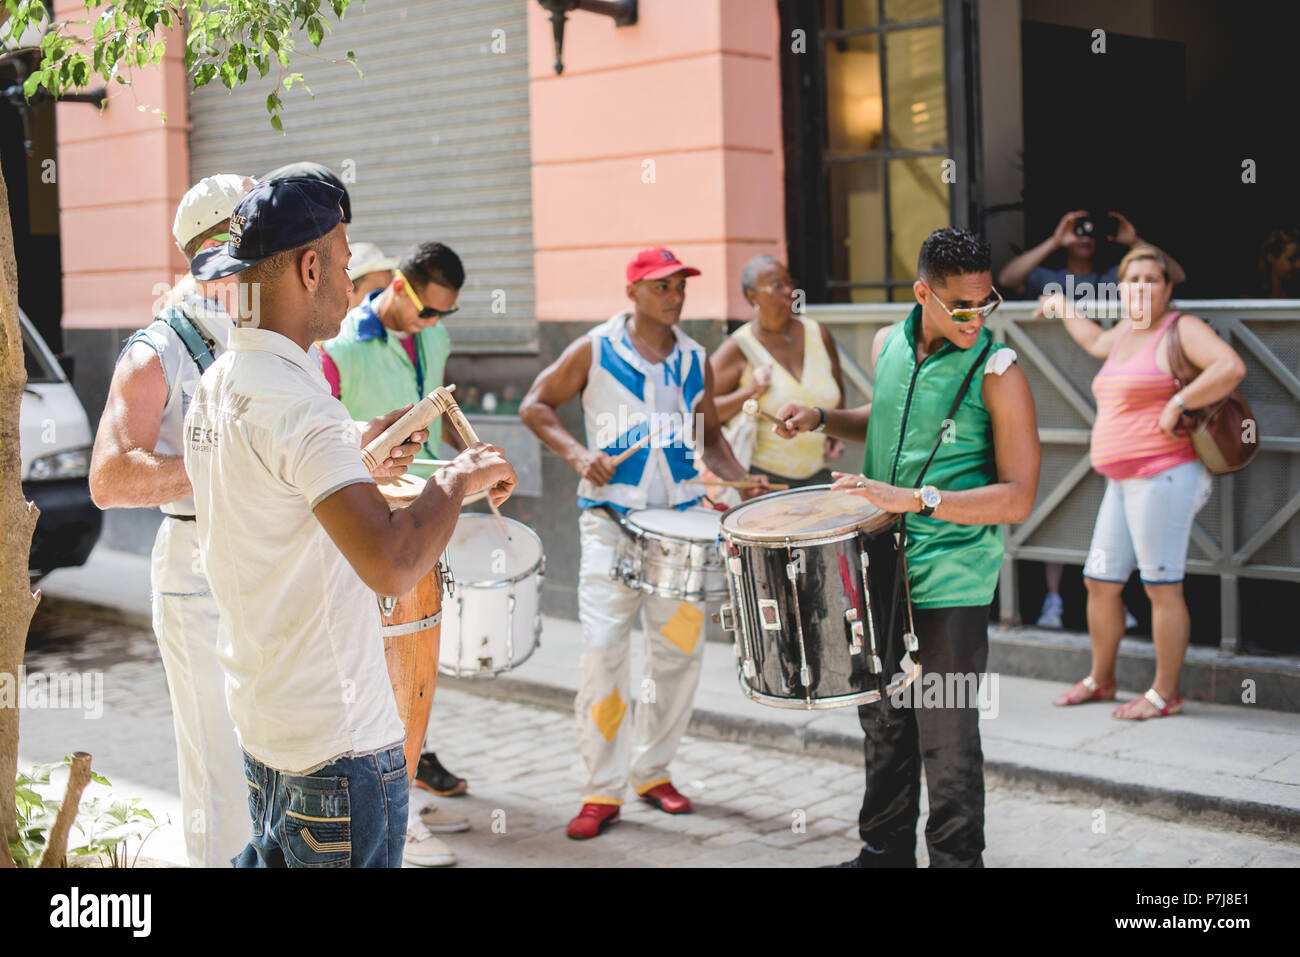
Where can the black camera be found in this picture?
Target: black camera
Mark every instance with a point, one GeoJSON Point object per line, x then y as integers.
{"type": "Point", "coordinates": [1099, 228]}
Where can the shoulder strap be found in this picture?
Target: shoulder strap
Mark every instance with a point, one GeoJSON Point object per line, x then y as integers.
{"type": "Point", "coordinates": [745, 340]}
{"type": "Point", "coordinates": [190, 337]}
{"type": "Point", "coordinates": [948, 420]}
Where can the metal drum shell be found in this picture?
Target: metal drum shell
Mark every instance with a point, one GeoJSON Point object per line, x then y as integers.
{"type": "Point", "coordinates": [832, 581]}
{"type": "Point", "coordinates": [659, 564]}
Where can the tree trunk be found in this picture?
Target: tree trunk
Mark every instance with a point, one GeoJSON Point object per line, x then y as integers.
{"type": "Point", "coordinates": [18, 519]}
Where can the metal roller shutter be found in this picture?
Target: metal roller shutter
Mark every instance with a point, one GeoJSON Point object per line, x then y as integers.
{"type": "Point", "coordinates": [433, 143]}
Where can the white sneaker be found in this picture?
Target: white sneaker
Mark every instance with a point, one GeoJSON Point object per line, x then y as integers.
{"type": "Point", "coordinates": [1050, 616]}
{"type": "Point", "coordinates": [425, 850]}
{"type": "Point", "coordinates": [443, 822]}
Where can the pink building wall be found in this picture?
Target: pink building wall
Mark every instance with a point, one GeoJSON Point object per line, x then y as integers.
{"type": "Point", "coordinates": [121, 174]}
{"type": "Point", "coordinates": [694, 89]}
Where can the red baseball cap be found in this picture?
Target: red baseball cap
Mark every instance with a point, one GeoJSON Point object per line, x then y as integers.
{"type": "Point", "coordinates": [655, 264]}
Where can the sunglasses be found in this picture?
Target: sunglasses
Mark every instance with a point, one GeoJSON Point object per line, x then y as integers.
{"type": "Point", "coordinates": [967, 313]}
{"type": "Point", "coordinates": [426, 312]}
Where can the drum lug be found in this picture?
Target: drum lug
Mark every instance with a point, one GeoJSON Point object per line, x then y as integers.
{"type": "Point", "coordinates": [791, 571]}
{"type": "Point", "coordinates": [447, 579]}
{"type": "Point", "coordinates": [874, 665]}
{"type": "Point", "coordinates": [805, 676]}
{"type": "Point", "coordinates": [866, 560]}
{"type": "Point", "coordinates": [851, 614]}
{"type": "Point", "coordinates": [727, 617]}
{"type": "Point", "coordinates": [748, 669]}
{"type": "Point", "coordinates": [855, 641]}
{"type": "Point", "coordinates": [733, 565]}
{"type": "Point", "coordinates": [910, 642]}
{"type": "Point", "coordinates": [386, 604]}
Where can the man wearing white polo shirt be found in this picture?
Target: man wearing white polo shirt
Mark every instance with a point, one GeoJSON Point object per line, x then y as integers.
{"type": "Point", "coordinates": [297, 539]}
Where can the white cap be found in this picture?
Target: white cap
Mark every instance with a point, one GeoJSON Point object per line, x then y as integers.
{"type": "Point", "coordinates": [209, 201]}
{"type": "Point", "coordinates": [368, 258]}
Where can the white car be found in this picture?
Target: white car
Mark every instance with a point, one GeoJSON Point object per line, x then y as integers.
{"type": "Point", "coordinates": [55, 442]}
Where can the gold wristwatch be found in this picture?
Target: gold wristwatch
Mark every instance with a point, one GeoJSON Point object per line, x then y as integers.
{"type": "Point", "coordinates": [929, 498]}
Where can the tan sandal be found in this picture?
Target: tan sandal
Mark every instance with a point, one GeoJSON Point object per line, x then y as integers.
{"type": "Point", "coordinates": [1094, 692]}
{"type": "Point", "coordinates": [1163, 708]}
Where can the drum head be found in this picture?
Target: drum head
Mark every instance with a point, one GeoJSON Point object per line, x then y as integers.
{"type": "Point", "coordinates": [478, 553]}
{"type": "Point", "coordinates": [403, 491]}
{"type": "Point", "coordinates": [814, 512]}
{"type": "Point", "coordinates": [692, 524]}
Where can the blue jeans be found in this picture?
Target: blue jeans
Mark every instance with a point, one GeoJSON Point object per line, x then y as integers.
{"type": "Point", "coordinates": [351, 813]}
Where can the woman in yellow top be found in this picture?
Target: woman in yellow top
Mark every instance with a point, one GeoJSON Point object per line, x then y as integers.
{"type": "Point", "coordinates": [778, 358]}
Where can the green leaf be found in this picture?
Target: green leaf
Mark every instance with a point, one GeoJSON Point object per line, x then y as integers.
{"type": "Point", "coordinates": [276, 124]}
{"type": "Point", "coordinates": [315, 30]}
{"type": "Point", "coordinates": [99, 779]}
{"type": "Point", "coordinates": [31, 83]}
{"type": "Point", "coordinates": [228, 76]}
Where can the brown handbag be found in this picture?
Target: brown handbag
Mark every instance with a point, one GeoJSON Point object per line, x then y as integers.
{"type": "Point", "coordinates": [1219, 431]}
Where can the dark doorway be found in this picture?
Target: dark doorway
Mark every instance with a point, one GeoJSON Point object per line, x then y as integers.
{"type": "Point", "coordinates": [32, 182]}
{"type": "Point", "coordinates": [1101, 133]}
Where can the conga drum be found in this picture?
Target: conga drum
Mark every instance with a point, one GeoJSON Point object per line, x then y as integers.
{"type": "Point", "coordinates": [411, 628]}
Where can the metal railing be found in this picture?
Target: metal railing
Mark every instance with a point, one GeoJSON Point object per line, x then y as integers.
{"type": "Point", "coordinates": [1249, 528]}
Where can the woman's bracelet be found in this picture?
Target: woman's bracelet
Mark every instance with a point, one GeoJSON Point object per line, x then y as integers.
{"type": "Point", "coordinates": [1178, 397]}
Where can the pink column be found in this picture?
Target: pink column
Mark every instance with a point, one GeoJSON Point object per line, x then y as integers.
{"type": "Point", "coordinates": [664, 133]}
{"type": "Point", "coordinates": [121, 174]}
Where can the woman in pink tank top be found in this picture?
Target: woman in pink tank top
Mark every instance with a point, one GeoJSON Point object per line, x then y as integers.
{"type": "Point", "coordinates": [1154, 482]}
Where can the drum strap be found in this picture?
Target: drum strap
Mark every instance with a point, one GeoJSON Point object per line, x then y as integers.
{"type": "Point", "coordinates": [901, 577]}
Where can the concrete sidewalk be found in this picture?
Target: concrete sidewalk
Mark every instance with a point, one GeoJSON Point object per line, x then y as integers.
{"type": "Point", "coordinates": [1241, 762]}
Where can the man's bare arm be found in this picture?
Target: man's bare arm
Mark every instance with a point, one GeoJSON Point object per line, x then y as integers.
{"type": "Point", "coordinates": [393, 549]}
{"type": "Point", "coordinates": [1017, 451]}
{"type": "Point", "coordinates": [125, 471]}
{"type": "Point", "coordinates": [555, 385]}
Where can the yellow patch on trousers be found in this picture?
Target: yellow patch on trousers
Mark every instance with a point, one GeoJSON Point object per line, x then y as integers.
{"type": "Point", "coordinates": [608, 714]}
{"type": "Point", "coordinates": [683, 629]}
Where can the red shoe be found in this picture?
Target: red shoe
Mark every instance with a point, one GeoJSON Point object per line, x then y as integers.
{"type": "Point", "coordinates": [666, 798]}
{"type": "Point", "coordinates": [591, 820]}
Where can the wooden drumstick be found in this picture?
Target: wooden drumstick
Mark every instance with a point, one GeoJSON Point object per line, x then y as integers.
{"type": "Point", "coordinates": [774, 486]}
{"type": "Point", "coordinates": [417, 417]}
{"type": "Point", "coordinates": [632, 450]}
{"type": "Point", "coordinates": [501, 522]}
{"type": "Point", "coordinates": [439, 463]}
{"type": "Point", "coordinates": [448, 407]}
{"type": "Point", "coordinates": [751, 408]}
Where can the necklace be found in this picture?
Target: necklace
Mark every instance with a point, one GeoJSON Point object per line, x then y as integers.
{"type": "Point", "coordinates": [636, 338]}
{"type": "Point", "coordinates": [768, 332]}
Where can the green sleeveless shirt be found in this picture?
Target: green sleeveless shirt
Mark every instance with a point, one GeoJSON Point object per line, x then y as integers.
{"type": "Point", "coordinates": [949, 565]}
{"type": "Point", "coordinates": [376, 375]}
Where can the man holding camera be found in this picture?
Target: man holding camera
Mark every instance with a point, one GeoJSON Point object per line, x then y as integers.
{"type": "Point", "coordinates": [1077, 233]}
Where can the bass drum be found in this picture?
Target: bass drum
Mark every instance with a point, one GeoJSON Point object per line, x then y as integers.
{"type": "Point", "coordinates": [812, 604]}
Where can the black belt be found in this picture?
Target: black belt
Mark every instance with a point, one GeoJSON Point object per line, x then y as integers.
{"type": "Point", "coordinates": [180, 518]}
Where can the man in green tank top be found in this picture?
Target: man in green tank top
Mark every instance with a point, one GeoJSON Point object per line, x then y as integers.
{"type": "Point", "coordinates": [983, 474]}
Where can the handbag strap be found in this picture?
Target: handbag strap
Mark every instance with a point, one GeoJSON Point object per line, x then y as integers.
{"type": "Point", "coordinates": [1180, 367]}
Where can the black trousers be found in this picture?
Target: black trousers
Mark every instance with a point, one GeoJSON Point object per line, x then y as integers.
{"type": "Point", "coordinates": [938, 726]}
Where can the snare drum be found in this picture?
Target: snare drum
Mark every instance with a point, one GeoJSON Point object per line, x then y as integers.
{"type": "Point", "coordinates": [672, 553]}
{"type": "Point", "coordinates": [411, 632]}
{"type": "Point", "coordinates": [811, 575]}
{"type": "Point", "coordinates": [494, 623]}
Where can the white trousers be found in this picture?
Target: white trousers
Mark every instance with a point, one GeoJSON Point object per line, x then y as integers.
{"type": "Point", "coordinates": [214, 797]}
{"type": "Point", "coordinates": [619, 751]}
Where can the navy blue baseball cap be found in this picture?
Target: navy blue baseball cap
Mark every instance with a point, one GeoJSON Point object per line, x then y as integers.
{"type": "Point", "coordinates": [276, 215]}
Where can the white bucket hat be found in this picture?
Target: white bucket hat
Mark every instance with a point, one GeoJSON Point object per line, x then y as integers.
{"type": "Point", "coordinates": [208, 202]}
{"type": "Point", "coordinates": [368, 258]}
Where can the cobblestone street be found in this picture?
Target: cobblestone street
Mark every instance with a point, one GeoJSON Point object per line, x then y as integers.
{"type": "Point", "coordinates": [756, 806]}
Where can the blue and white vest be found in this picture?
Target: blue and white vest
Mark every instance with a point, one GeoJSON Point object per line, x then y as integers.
{"type": "Point", "coordinates": [627, 397]}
